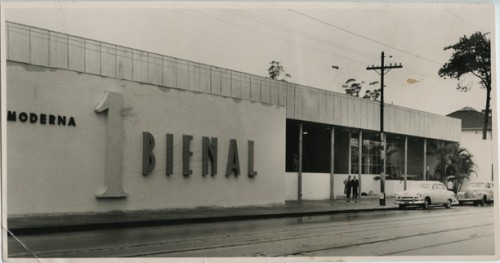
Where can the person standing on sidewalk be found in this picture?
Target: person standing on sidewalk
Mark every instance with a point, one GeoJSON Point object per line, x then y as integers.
{"type": "Point", "coordinates": [355, 187]}
{"type": "Point", "coordinates": [347, 187]}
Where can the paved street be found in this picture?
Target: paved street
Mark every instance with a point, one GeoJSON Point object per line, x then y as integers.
{"type": "Point", "coordinates": [464, 230]}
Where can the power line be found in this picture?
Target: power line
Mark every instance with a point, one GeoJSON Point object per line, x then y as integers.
{"type": "Point", "coordinates": [461, 18]}
{"type": "Point", "coordinates": [291, 31]}
{"type": "Point", "coordinates": [363, 37]}
{"type": "Point", "coordinates": [271, 23]}
{"type": "Point", "coordinates": [295, 43]}
{"type": "Point", "coordinates": [306, 35]}
{"type": "Point", "coordinates": [279, 26]}
{"type": "Point", "coordinates": [282, 39]}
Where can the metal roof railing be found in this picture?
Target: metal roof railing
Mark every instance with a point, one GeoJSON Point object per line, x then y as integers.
{"type": "Point", "coordinates": [41, 47]}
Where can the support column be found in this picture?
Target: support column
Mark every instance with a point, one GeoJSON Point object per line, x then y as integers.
{"type": "Point", "coordinates": [443, 163]}
{"type": "Point", "coordinates": [406, 161]}
{"type": "Point", "coordinates": [492, 173]}
{"type": "Point", "coordinates": [360, 158]}
{"type": "Point", "coordinates": [425, 159]}
{"type": "Point", "coordinates": [299, 179]}
{"type": "Point", "coordinates": [350, 158]}
{"type": "Point", "coordinates": [332, 163]}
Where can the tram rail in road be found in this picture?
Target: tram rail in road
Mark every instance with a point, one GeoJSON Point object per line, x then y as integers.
{"type": "Point", "coordinates": [439, 232]}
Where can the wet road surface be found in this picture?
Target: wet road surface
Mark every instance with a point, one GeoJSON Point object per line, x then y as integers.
{"type": "Point", "coordinates": [464, 230]}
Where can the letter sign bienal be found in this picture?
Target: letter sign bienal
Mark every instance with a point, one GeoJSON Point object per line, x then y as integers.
{"type": "Point", "coordinates": [148, 158]}
{"type": "Point", "coordinates": [170, 154]}
{"type": "Point", "coordinates": [233, 162]}
{"type": "Point", "coordinates": [186, 154]}
{"type": "Point", "coordinates": [112, 104]}
{"type": "Point", "coordinates": [251, 171]}
{"type": "Point", "coordinates": [209, 149]}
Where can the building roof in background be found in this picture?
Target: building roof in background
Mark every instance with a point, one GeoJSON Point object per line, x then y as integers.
{"type": "Point", "coordinates": [471, 118]}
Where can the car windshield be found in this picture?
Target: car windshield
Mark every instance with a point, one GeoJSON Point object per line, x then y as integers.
{"type": "Point", "coordinates": [420, 186]}
{"type": "Point", "coordinates": [476, 185]}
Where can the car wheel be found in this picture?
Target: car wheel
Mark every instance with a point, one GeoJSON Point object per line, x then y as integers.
{"type": "Point", "coordinates": [447, 204]}
{"type": "Point", "coordinates": [426, 203]}
{"type": "Point", "coordinates": [483, 201]}
{"type": "Point", "coordinates": [402, 207]}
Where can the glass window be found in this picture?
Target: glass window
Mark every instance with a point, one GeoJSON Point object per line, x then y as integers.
{"type": "Point", "coordinates": [420, 186]}
{"type": "Point", "coordinates": [476, 185]}
{"type": "Point", "coordinates": [395, 162]}
{"type": "Point", "coordinates": [315, 147]}
{"type": "Point", "coordinates": [354, 155]}
{"type": "Point", "coordinates": [415, 158]}
{"type": "Point", "coordinates": [371, 157]}
{"type": "Point", "coordinates": [341, 155]}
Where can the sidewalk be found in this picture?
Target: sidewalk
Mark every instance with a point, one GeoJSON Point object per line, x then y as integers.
{"type": "Point", "coordinates": [117, 219]}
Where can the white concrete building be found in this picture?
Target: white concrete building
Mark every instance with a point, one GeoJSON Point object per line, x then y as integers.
{"type": "Point", "coordinates": [95, 127]}
{"type": "Point", "coordinates": [472, 140]}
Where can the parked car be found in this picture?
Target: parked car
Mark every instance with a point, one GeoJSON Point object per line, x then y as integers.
{"type": "Point", "coordinates": [425, 194]}
{"type": "Point", "coordinates": [478, 193]}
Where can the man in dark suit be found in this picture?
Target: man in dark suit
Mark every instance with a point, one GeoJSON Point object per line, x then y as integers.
{"type": "Point", "coordinates": [355, 187]}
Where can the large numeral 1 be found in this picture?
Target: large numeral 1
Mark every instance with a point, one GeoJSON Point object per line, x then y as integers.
{"type": "Point", "coordinates": [112, 103]}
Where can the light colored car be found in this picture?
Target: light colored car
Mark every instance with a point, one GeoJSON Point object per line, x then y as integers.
{"type": "Point", "coordinates": [425, 194]}
{"type": "Point", "coordinates": [478, 193]}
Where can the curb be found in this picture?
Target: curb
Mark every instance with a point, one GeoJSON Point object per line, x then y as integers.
{"type": "Point", "coordinates": [38, 230]}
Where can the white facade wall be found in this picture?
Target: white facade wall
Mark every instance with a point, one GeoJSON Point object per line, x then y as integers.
{"type": "Point", "coordinates": [482, 151]}
{"type": "Point", "coordinates": [60, 169]}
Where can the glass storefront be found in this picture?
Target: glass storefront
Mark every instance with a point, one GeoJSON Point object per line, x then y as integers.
{"type": "Point", "coordinates": [316, 158]}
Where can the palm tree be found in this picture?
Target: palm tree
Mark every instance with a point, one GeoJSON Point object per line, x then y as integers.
{"type": "Point", "coordinates": [454, 162]}
{"type": "Point", "coordinates": [463, 165]}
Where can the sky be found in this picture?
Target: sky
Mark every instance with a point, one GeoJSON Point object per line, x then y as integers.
{"type": "Point", "coordinates": [306, 38]}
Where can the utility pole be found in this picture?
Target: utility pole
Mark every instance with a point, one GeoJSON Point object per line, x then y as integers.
{"type": "Point", "coordinates": [381, 70]}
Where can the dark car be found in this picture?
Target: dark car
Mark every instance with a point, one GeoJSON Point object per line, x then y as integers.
{"type": "Point", "coordinates": [478, 193]}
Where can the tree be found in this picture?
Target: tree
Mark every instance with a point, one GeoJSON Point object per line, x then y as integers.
{"type": "Point", "coordinates": [463, 165]}
{"type": "Point", "coordinates": [471, 55]}
{"type": "Point", "coordinates": [454, 162]}
{"type": "Point", "coordinates": [372, 94]}
{"type": "Point", "coordinates": [353, 87]}
{"type": "Point", "coordinates": [276, 69]}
